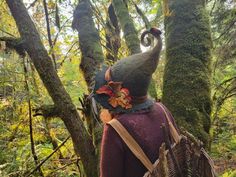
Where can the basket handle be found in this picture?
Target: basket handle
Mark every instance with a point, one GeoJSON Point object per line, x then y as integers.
{"type": "Point", "coordinates": [174, 133]}
{"type": "Point", "coordinates": [131, 143]}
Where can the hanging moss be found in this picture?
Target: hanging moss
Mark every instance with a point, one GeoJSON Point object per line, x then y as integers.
{"type": "Point", "coordinates": [186, 87]}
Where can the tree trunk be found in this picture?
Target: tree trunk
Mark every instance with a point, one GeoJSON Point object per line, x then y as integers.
{"type": "Point", "coordinates": [186, 87]}
{"type": "Point", "coordinates": [113, 40]}
{"type": "Point", "coordinates": [127, 25]}
{"type": "Point", "coordinates": [31, 40]}
{"type": "Point", "coordinates": [92, 58]}
{"type": "Point", "coordinates": [89, 41]}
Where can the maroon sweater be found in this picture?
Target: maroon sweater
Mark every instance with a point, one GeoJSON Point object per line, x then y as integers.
{"type": "Point", "coordinates": [116, 158]}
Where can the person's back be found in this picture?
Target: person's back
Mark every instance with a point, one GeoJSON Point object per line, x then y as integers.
{"type": "Point", "coordinates": [144, 126]}
{"type": "Point", "coordinates": [121, 90]}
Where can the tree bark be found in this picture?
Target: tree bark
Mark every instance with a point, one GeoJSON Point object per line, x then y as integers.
{"type": "Point", "coordinates": [127, 25]}
{"type": "Point", "coordinates": [82, 142]}
{"type": "Point", "coordinates": [92, 58]}
{"type": "Point", "coordinates": [113, 40]}
{"type": "Point", "coordinates": [89, 41]}
{"type": "Point", "coordinates": [186, 87]}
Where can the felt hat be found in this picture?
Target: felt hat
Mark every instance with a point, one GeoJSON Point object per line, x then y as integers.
{"type": "Point", "coordinates": [123, 87]}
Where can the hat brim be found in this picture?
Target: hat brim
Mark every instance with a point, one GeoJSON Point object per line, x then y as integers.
{"type": "Point", "coordinates": [103, 99]}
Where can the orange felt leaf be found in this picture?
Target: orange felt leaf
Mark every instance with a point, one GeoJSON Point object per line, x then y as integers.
{"type": "Point", "coordinates": [125, 91]}
{"type": "Point", "coordinates": [124, 102]}
{"type": "Point", "coordinates": [118, 96]}
{"type": "Point", "coordinates": [113, 102]}
{"type": "Point", "coordinates": [116, 86]}
{"type": "Point", "coordinates": [128, 106]}
{"type": "Point", "coordinates": [104, 90]}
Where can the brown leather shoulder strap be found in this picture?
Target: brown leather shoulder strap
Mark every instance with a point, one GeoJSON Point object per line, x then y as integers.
{"type": "Point", "coordinates": [174, 133]}
{"type": "Point", "coordinates": [131, 143]}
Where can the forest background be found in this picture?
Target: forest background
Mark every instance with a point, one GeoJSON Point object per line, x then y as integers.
{"type": "Point", "coordinates": [49, 128]}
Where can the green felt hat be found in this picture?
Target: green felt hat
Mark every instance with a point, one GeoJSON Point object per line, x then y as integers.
{"type": "Point", "coordinates": [134, 73]}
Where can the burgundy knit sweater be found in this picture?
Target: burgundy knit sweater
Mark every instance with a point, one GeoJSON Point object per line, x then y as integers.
{"type": "Point", "coordinates": [116, 158]}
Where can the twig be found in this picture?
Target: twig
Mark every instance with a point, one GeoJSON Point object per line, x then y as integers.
{"type": "Point", "coordinates": [30, 118]}
{"type": "Point", "coordinates": [223, 83]}
{"type": "Point", "coordinates": [141, 14]}
{"type": "Point", "coordinates": [64, 166]}
{"type": "Point", "coordinates": [213, 7]}
{"type": "Point", "coordinates": [68, 53]}
{"type": "Point", "coordinates": [32, 4]}
{"type": "Point", "coordinates": [52, 139]}
{"type": "Point", "coordinates": [58, 33]}
{"type": "Point", "coordinates": [49, 33]}
{"type": "Point", "coordinates": [41, 163]}
{"type": "Point", "coordinates": [97, 13]}
{"type": "Point", "coordinates": [7, 33]}
{"type": "Point", "coordinates": [226, 30]}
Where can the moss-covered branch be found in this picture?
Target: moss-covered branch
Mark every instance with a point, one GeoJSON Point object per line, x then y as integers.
{"type": "Point", "coordinates": [89, 41]}
{"type": "Point", "coordinates": [113, 40]}
{"type": "Point", "coordinates": [127, 25]}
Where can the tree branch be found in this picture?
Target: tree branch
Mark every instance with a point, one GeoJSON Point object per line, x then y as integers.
{"type": "Point", "coordinates": [82, 142]}
{"type": "Point", "coordinates": [32, 4]}
{"type": "Point", "coordinates": [30, 117]}
{"type": "Point", "coordinates": [127, 25]}
{"type": "Point", "coordinates": [50, 155]}
{"type": "Point", "coordinates": [49, 33]}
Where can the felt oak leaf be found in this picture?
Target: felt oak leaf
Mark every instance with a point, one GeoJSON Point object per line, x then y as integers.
{"type": "Point", "coordinates": [118, 96]}
{"type": "Point", "coordinates": [105, 90]}
{"type": "Point", "coordinates": [113, 102]}
{"type": "Point", "coordinates": [115, 86]}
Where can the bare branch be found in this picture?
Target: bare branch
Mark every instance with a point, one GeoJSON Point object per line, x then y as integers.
{"type": "Point", "coordinates": [50, 155]}
{"type": "Point", "coordinates": [32, 4]}
{"type": "Point", "coordinates": [30, 117]}
{"type": "Point", "coordinates": [49, 33]}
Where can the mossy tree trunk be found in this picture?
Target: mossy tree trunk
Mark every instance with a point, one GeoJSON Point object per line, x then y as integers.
{"type": "Point", "coordinates": [186, 87]}
{"type": "Point", "coordinates": [91, 60]}
{"type": "Point", "coordinates": [89, 41]}
{"type": "Point", "coordinates": [127, 25]}
{"type": "Point", "coordinates": [32, 44]}
{"type": "Point", "coordinates": [113, 39]}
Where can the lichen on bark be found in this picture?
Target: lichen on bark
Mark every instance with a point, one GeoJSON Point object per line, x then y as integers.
{"type": "Point", "coordinates": [187, 75]}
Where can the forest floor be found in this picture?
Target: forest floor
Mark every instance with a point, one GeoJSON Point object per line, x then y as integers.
{"type": "Point", "coordinates": [222, 165]}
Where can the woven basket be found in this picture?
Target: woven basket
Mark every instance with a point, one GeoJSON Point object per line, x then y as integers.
{"type": "Point", "coordinates": [184, 159]}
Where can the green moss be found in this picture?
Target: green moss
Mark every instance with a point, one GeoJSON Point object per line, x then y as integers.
{"type": "Point", "coordinates": [89, 41]}
{"type": "Point", "coordinates": [127, 25]}
{"type": "Point", "coordinates": [186, 87]}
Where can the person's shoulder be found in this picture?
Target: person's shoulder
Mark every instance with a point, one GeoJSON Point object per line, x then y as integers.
{"type": "Point", "coordinates": [159, 106]}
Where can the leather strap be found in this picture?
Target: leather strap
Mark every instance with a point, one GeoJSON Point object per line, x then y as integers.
{"type": "Point", "coordinates": [173, 132]}
{"type": "Point", "coordinates": [131, 143]}
{"type": "Point", "coordinates": [108, 74]}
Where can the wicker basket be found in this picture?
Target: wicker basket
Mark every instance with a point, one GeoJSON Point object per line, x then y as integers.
{"type": "Point", "coordinates": [184, 159]}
